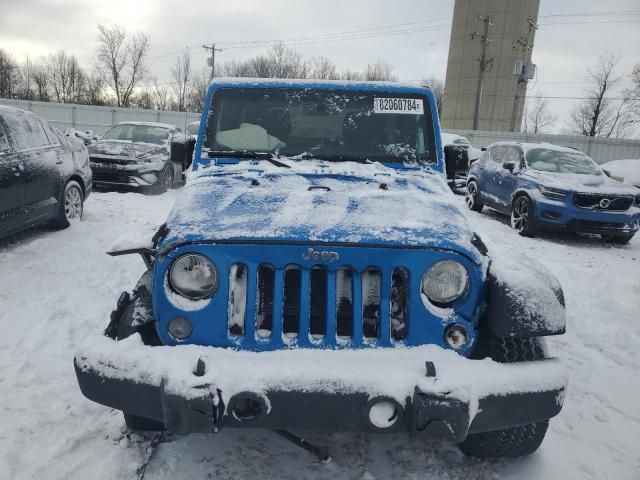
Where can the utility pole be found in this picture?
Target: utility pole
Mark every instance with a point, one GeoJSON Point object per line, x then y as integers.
{"type": "Point", "coordinates": [525, 46]}
{"type": "Point", "coordinates": [212, 60]}
{"type": "Point", "coordinates": [484, 64]}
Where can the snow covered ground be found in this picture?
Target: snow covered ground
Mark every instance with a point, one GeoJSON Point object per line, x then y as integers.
{"type": "Point", "coordinates": [57, 287]}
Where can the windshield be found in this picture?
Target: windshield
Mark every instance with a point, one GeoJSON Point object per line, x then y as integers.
{"type": "Point", "coordinates": [548, 160]}
{"type": "Point", "coordinates": [138, 133]}
{"type": "Point", "coordinates": [331, 125]}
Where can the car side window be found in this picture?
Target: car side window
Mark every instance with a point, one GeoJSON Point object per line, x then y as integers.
{"type": "Point", "coordinates": [53, 137]}
{"type": "Point", "coordinates": [27, 131]}
{"type": "Point", "coordinates": [512, 155]}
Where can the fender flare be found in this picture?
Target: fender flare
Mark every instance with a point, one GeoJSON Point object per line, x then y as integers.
{"type": "Point", "coordinates": [524, 300]}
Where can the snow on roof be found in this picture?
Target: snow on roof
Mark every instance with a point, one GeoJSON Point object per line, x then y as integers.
{"type": "Point", "coordinates": [526, 146]}
{"type": "Point", "coordinates": [148, 124]}
{"type": "Point", "coordinates": [285, 82]}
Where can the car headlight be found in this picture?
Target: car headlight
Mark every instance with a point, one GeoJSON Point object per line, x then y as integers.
{"type": "Point", "coordinates": [193, 276]}
{"type": "Point", "coordinates": [445, 282]}
{"type": "Point", "coordinates": [553, 193]}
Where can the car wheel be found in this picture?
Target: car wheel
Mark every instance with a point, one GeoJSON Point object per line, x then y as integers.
{"type": "Point", "coordinates": [622, 239]}
{"type": "Point", "coordinates": [522, 216]}
{"type": "Point", "coordinates": [71, 205]}
{"type": "Point", "coordinates": [515, 441]}
{"type": "Point", "coordinates": [471, 197]}
{"type": "Point", "coordinates": [166, 180]}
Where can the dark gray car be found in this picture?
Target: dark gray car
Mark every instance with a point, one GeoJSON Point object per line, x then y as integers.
{"type": "Point", "coordinates": [136, 156]}
{"type": "Point", "coordinates": [44, 176]}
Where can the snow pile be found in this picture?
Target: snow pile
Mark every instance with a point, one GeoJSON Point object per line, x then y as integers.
{"type": "Point", "coordinates": [391, 372]}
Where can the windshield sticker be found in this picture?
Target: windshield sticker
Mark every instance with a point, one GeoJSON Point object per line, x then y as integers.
{"type": "Point", "coordinates": [398, 105]}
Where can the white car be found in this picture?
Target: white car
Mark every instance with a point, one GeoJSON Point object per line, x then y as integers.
{"type": "Point", "coordinates": [627, 171]}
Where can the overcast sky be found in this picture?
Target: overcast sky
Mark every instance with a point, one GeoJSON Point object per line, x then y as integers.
{"type": "Point", "coordinates": [562, 51]}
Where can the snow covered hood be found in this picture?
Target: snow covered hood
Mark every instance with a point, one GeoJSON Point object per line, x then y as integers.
{"type": "Point", "coordinates": [127, 150]}
{"type": "Point", "coordinates": [580, 183]}
{"type": "Point", "coordinates": [321, 202]}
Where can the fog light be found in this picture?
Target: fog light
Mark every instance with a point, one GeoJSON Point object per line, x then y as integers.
{"type": "Point", "coordinates": [180, 328]}
{"type": "Point", "coordinates": [456, 336]}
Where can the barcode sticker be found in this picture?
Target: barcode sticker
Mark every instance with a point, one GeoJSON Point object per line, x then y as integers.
{"type": "Point", "coordinates": [398, 105]}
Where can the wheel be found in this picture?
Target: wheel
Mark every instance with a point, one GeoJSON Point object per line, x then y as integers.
{"type": "Point", "coordinates": [621, 239]}
{"type": "Point", "coordinates": [522, 216]}
{"type": "Point", "coordinates": [71, 205]}
{"type": "Point", "coordinates": [167, 179]}
{"type": "Point", "coordinates": [471, 197]}
{"type": "Point", "coordinates": [515, 441]}
{"type": "Point", "coordinates": [134, 422]}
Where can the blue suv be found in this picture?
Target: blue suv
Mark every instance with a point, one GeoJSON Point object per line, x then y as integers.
{"type": "Point", "coordinates": [544, 186]}
{"type": "Point", "coordinates": [316, 273]}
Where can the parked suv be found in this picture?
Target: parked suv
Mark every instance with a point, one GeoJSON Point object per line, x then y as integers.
{"type": "Point", "coordinates": [544, 186]}
{"type": "Point", "coordinates": [137, 156]}
{"type": "Point", "coordinates": [44, 176]}
{"type": "Point", "coordinates": [317, 273]}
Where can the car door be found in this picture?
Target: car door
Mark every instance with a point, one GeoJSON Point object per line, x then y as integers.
{"type": "Point", "coordinates": [488, 188]}
{"type": "Point", "coordinates": [12, 185]}
{"type": "Point", "coordinates": [42, 160]}
{"type": "Point", "coordinates": [506, 180]}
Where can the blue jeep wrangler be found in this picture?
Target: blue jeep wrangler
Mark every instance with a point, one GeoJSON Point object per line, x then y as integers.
{"type": "Point", "coordinates": [316, 273]}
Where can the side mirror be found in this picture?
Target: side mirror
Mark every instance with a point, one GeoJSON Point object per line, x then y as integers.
{"type": "Point", "coordinates": [509, 165]}
{"type": "Point", "coordinates": [483, 149]}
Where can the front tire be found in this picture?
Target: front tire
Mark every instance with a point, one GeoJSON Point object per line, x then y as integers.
{"type": "Point", "coordinates": [522, 216]}
{"type": "Point", "coordinates": [471, 197]}
{"type": "Point", "coordinates": [71, 205]}
{"type": "Point", "coordinates": [515, 441]}
{"type": "Point", "coordinates": [166, 179]}
{"type": "Point", "coordinates": [621, 239]}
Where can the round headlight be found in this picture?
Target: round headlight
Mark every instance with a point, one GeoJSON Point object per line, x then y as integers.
{"type": "Point", "coordinates": [445, 282]}
{"type": "Point", "coordinates": [193, 276]}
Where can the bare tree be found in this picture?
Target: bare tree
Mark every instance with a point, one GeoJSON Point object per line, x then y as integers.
{"type": "Point", "coordinates": [94, 91]}
{"type": "Point", "coordinates": [437, 87]}
{"type": "Point", "coordinates": [197, 91]}
{"type": "Point", "coordinates": [353, 75]}
{"type": "Point", "coordinates": [40, 77]}
{"type": "Point", "coordinates": [633, 93]}
{"type": "Point", "coordinates": [121, 61]}
{"type": "Point", "coordinates": [181, 73]}
{"type": "Point", "coordinates": [599, 115]}
{"type": "Point", "coordinates": [66, 78]}
{"type": "Point", "coordinates": [323, 69]}
{"type": "Point", "coordinates": [379, 72]}
{"type": "Point", "coordinates": [537, 115]}
{"type": "Point", "coordinates": [286, 62]}
{"type": "Point", "coordinates": [161, 96]}
{"type": "Point", "coordinates": [8, 74]}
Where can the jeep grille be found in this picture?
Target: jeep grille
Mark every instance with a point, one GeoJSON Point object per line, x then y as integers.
{"type": "Point", "coordinates": [317, 303]}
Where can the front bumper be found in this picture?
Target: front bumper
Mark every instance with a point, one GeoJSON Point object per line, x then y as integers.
{"type": "Point", "coordinates": [325, 390]}
{"type": "Point", "coordinates": [105, 175]}
{"type": "Point", "coordinates": [564, 215]}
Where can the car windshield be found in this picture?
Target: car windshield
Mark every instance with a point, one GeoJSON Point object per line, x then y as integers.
{"type": "Point", "coordinates": [557, 161]}
{"type": "Point", "coordinates": [138, 133]}
{"type": "Point", "coordinates": [331, 125]}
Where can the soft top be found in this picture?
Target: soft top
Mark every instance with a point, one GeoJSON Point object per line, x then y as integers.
{"type": "Point", "coordinates": [245, 82]}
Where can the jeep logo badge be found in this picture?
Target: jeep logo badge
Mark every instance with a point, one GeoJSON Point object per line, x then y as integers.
{"type": "Point", "coordinates": [605, 203]}
{"type": "Point", "coordinates": [316, 255]}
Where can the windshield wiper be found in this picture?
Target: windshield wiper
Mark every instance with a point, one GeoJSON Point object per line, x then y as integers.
{"type": "Point", "coordinates": [336, 158]}
{"type": "Point", "coordinates": [268, 156]}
